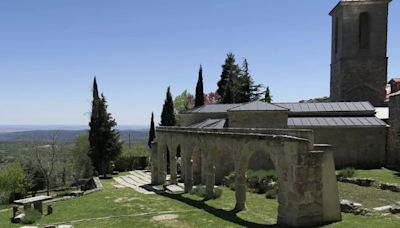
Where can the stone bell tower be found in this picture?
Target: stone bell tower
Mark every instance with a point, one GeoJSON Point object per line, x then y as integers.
{"type": "Point", "coordinates": [359, 43]}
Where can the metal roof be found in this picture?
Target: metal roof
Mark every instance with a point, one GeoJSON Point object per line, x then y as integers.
{"type": "Point", "coordinates": [329, 107]}
{"type": "Point", "coordinates": [210, 123]}
{"type": "Point", "coordinates": [335, 121]}
{"type": "Point", "coordinates": [213, 108]}
{"type": "Point", "coordinates": [258, 106]}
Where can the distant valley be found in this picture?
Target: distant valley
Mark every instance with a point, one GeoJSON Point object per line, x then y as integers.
{"type": "Point", "coordinates": [68, 136]}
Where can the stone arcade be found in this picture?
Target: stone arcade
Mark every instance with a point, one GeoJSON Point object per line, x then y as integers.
{"type": "Point", "coordinates": [308, 193]}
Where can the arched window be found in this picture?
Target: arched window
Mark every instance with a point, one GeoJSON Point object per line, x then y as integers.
{"type": "Point", "coordinates": [336, 35]}
{"type": "Point", "coordinates": [364, 31]}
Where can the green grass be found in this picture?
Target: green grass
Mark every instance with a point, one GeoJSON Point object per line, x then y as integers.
{"type": "Point", "coordinates": [382, 175]}
{"type": "Point", "coordinates": [369, 197]}
{"type": "Point", "coordinates": [136, 210]}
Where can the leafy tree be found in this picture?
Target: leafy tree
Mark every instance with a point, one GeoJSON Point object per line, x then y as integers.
{"type": "Point", "coordinates": [82, 165]}
{"type": "Point", "coordinates": [228, 84]}
{"type": "Point", "coordinates": [268, 97]}
{"type": "Point", "coordinates": [199, 90]}
{"type": "Point", "coordinates": [168, 112]}
{"type": "Point", "coordinates": [14, 182]}
{"type": "Point", "coordinates": [46, 158]}
{"type": "Point", "coordinates": [183, 102]}
{"type": "Point", "coordinates": [152, 132]}
{"type": "Point", "coordinates": [212, 98]}
{"type": "Point", "coordinates": [105, 145]}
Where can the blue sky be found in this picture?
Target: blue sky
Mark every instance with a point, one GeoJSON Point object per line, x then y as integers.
{"type": "Point", "coordinates": [50, 51]}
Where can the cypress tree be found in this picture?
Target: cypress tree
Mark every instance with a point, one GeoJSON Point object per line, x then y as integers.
{"type": "Point", "coordinates": [152, 132]}
{"type": "Point", "coordinates": [228, 84]}
{"type": "Point", "coordinates": [268, 97]}
{"type": "Point", "coordinates": [199, 90]}
{"type": "Point", "coordinates": [168, 113]}
{"type": "Point", "coordinates": [105, 144]}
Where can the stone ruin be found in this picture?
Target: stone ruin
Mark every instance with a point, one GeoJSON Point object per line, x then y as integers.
{"type": "Point", "coordinates": [308, 192]}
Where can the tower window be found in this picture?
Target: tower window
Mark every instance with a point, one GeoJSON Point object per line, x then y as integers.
{"type": "Point", "coordinates": [364, 30]}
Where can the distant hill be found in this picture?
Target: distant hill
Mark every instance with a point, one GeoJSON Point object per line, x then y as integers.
{"type": "Point", "coordinates": [137, 136]}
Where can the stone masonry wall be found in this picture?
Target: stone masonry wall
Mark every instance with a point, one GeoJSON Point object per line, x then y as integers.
{"type": "Point", "coordinates": [393, 154]}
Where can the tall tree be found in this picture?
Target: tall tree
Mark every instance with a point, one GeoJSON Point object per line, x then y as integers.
{"type": "Point", "coordinates": [245, 93]}
{"type": "Point", "coordinates": [268, 97]}
{"type": "Point", "coordinates": [152, 132]}
{"type": "Point", "coordinates": [228, 84]}
{"type": "Point", "coordinates": [168, 112]}
{"type": "Point", "coordinates": [199, 90]}
{"type": "Point", "coordinates": [105, 145]}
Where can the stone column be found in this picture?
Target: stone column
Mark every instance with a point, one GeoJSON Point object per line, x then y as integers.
{"type": "Point", "coordinates": [162, 162]}
{"type": "Point", "coordinates": [38, 206]}
{"type": "Point", "coordinates": [173, 164]}
{"type": "Point", "coordinates": [300, 185]}
{"type": "Point", "coordinates": [203, 168]}
{"type": "Point", "coordinates": [189, 175]}
{"type": "Point", "coordinates": [240, 190]}
{"type": "Point", "coordinates": [210, 181]}
{"type": "Point", "coordinates": [155, 165]}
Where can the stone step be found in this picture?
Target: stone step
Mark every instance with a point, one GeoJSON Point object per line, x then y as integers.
{"type": "Point", "coordinates": [383, 208]}
{"type": "Point", "coordinates": [142, 177]}
{"type": "Point", "coordinates": [174, 188]}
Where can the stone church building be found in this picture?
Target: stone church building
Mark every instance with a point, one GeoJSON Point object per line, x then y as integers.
{"type": "Point", "coordinates": [349, 122]}
{"type": "Point", "coordinates": [359, 127]}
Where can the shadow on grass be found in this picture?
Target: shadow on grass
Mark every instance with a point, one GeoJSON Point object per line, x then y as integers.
{"type": "Point", "coordinates": [229, 215]}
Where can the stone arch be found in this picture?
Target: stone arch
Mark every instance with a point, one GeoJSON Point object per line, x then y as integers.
{"type": "Point", "coordinates": [243, 155]}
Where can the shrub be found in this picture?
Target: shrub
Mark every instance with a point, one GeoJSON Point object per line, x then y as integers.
{"type": "Point", "coordinates": [31, 216]}
{"type": "Point", "coordinates": [132, 158]}
{"type": "Point", "coordinates": [346, 172]}
{"type": "Point", "coordinates": [272, 193]}
{"type": "Point", "coordinates": [260, 181]}
{"type": "Point", "coordinates": [229, 181]}
{"type": "Point", "coordinates": [200, 191]}
{"type": "Point", "coordinates": [14, 182]}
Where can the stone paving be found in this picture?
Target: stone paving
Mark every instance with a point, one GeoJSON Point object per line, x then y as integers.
{"type": "Point", "coordinates": [140, 181]}
{"type": "Point", "coordinates": [137, 180]}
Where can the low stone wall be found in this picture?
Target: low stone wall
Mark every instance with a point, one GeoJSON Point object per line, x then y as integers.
{"type": "Point", "coordinates": [390, 187]}
{"type": "Point", "coordinates": [365, 182]}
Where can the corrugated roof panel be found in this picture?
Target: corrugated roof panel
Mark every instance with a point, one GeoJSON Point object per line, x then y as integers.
{"type": "Point", "coordinates": [335, 121]}
{"type": "Point", "coordinates": [330, 121]}
{"type": "Point", "coordinates": [334, 107]}
{"type": "Point", "coordinates": [328, 107]}
{"type": "Point", "coordinates": [367, 105]}
{"type": "Point", "coordinates": [313, 107]}
{"type": "Point", "coordinates": [258, 106]}
{"type": "Point", "coordinates": [359, 106]}
{"type": "Point", "coordinates": [342, 106]}
{"type": "Point", "coordinates": [210, 123]}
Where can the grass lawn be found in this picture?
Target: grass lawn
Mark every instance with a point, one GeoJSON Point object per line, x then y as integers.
{"type": "Point", "coordinates": [382, 175]}
{"type": "Point", "coordinates": [126, 208]}
{"type": "Point", "coordinates": [369, 197]}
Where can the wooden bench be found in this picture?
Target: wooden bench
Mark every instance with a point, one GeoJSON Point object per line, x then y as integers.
{"type": "Point", "coordinates": [36, 201]}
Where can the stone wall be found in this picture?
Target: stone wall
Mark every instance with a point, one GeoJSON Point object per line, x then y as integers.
{"type": "Point", "coordinates": [393, 154]}
{"type": "Point", "coordinates": [363, 147]}
{"type": "Point", "coordinates": [257, 119]}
